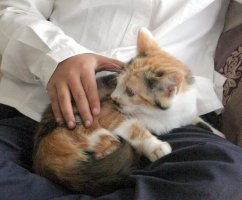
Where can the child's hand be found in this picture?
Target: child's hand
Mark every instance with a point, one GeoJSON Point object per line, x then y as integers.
{"type": "Point", "coordinates": [74, 79]}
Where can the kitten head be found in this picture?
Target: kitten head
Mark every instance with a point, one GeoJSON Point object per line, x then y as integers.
{"type": "Point", "coordinates": [151, 80]}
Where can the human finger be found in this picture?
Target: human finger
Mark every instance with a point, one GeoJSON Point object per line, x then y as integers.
{"type": "Point", "coordinates": [109, 64]}
{"type": "Point", "coordinates": [80, 98]}
{"type": "Point", "coordinates": [55, 104]}
{"type": "Point", "coordinates": [64, 101]}
{"type": "Point", "coordinates": [90, 87]}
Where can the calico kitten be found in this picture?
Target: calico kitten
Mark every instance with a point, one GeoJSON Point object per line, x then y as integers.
{"type": "Point", "coordinates": [154, 93]}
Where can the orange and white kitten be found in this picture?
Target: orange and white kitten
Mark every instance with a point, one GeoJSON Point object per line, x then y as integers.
{"type": "Point", "coordinates": [154, 94]}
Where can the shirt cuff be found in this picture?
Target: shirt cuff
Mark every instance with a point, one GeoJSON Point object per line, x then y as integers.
{"type": "Point", "coordinates": [53, 58]}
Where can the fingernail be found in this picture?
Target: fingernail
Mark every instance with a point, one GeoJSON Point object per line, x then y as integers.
{"type": "Point", "coordinates": [59, 120]}
{"type": "Point", "coordinates": [71, 124]}
{"type": "Point", "coordinates": [95, 111]}
{"type": "Point", "coordinates": [87, 123]}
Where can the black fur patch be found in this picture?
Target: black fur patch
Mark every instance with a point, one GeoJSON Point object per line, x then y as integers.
{"type": "Point", "coordinates": [151, 83]}
{"type": "Point", "coordinates": [110, 80]}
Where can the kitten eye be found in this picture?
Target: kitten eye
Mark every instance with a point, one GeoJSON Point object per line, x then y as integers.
{"type": "Point", "coordinates": [129, 92]}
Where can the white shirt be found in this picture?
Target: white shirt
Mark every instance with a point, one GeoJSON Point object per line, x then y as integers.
{"type": "Point", "coordinates": [36, 35]}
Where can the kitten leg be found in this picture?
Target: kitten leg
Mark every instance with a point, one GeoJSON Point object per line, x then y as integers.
{"type": "Point", "coordinates": [199, 120]}
{"type": "Point", "coordinates": [142, 140]}
{"type": "Point", "coordinates": [102, 143]}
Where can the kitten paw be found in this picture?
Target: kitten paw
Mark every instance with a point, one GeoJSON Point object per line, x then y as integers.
{"type": "Point", "coordinates": [106, 145]}
{"type": "Point", "coordinates": [158, 150]}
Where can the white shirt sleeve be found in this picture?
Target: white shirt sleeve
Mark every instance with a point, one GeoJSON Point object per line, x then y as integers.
{"type": "Point", "coordinates": [35, 35]}
{"type": "Point", "coordinates": [31, 46]}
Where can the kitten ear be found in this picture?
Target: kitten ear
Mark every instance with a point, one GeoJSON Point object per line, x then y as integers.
{"type": "Point", "coordinates": [146, 42]}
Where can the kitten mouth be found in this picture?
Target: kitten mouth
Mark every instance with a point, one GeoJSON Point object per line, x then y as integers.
{"type": "Point", "coordinates": [118, 108]}
{"type": "Point", "coordinates": [122, 111]}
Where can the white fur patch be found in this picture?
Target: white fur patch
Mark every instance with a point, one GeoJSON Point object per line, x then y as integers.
{"type": "Point", "coordinates": [151, 147]}
{"type": "Point", "coordinates": [118, 92]}
{"type": "Point", "coordinates": [94, 138]}
{"type": "Point", "coordinates": [155, 148]}
{"type": "Point", "coordinates": [182, 111]}
{"type": "Point", "coordinates": [124, 128]}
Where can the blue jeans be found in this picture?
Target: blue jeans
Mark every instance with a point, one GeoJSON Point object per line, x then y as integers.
{"type": "Point", "coordinates": [17, 181]}
{"type": "Point", "coordinates": [202, 166]}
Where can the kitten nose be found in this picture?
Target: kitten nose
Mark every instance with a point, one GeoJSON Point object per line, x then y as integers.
{"type": "Point", "coordinates": [115, 99]}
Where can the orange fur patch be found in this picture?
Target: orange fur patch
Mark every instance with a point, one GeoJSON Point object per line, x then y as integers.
{"type": "Point", "coordinates": [138, 132]}
{"type": "Point", "coordinates": [106, 146]}
{"type": "Point", "coordinates": [109, 118]}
